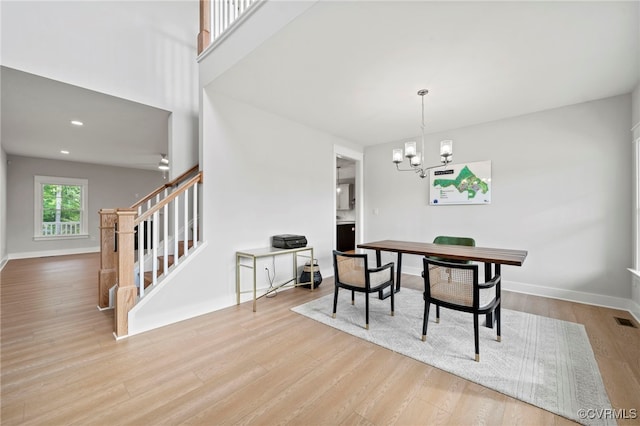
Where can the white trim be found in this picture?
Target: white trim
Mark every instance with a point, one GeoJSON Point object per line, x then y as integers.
{"type": "Point", "coordinates": [569, 295]}
{"type": "Point", "coordinates": [594, 299]}
{"type": "Point", "coordinates": [3, 262]}
{"type": "Point", "coordinates": [119, 337]}
{"type": "Point", "coordinates": [61, 237]}
{"type": "Point", "coordinates": [634, 310]}
{"type": "Point", "coordinates": [137, 326]}
{"type": "Point", "coordinates": [358, 157]}
{"type": "Point", "coordinates": [634, 272]}
{"type": "Point", "coordinates": [47, 253]}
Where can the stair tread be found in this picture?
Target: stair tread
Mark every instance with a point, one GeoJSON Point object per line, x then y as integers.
{"type": "Point", "coordinates": [148, 276]}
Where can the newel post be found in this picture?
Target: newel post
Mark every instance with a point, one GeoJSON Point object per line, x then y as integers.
{"type": "Point", "coordinates": [126, 292]}
{"type": "Point", "coordinates": [108, 262]}
{"type": "Point", "coordinates": [204, 36]}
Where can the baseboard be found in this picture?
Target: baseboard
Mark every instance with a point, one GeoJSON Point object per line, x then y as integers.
{"type": "Point", "coordinates": [47, 253]}
{"type": "Point", "coordinates": [572, 296]}
{"type": "Point", "coordinates": [635, 310]}
{"type": "Point", "coordinates": [139, 325]}
{"type": "Point", "coordinates": [612, 302]}
{"type": "Point", "coordinates": [3, 262]}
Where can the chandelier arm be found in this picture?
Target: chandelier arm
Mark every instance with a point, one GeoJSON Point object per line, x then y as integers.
{"type": "Point", "coordinates": [422, 171]}
{"type": "Point", "coordinates": [413, 169]}
{"type": "Point", "coordinates": [435, 167]}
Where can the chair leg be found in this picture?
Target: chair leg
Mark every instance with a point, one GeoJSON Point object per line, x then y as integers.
{"type": "Point", "coordinates": [366, 298]}
{"type": "Point", "coordinates": [425, 320]}
{"type": "Point", "coordinates": [335, 301]}
{"type": "Point", "coordinates": [476, 336]}
{"type": "Point", "coordinates": [498, 322]}
{"type": "Point", "coordinates": [392, 301]}
{"type": "Point", "coordinates": [437, 314]}
{"type": "Point", "coordinates": [353, 297]}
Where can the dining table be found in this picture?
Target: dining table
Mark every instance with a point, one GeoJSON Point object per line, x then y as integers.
{"type": "Point", "coordinates": [492, 258]}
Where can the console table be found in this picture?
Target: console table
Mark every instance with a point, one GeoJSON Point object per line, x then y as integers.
{"type": "Point", "coordinates": [254, 254]}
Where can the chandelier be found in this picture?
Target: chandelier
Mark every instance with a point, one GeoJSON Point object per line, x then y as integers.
{"type": "Point", "coordinates": [416, 159]}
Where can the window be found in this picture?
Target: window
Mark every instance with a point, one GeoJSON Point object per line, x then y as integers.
{"type": "Point", "coordinates": [60, 208]}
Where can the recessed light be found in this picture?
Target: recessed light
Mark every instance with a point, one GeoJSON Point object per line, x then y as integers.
{"type": "Point", "coordinates": [64, 151]}
{"type": "Point", "coordinates": [77, 122]}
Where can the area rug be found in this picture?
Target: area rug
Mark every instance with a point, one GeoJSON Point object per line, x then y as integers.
{"type": "Point", "coordinates": [546, 362]}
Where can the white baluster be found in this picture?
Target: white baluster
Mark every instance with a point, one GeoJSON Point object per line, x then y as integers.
{"type": "Point", "coordinates": [149, 233]}
{"type": "Point", "coordinates": [154, 250]}
{"type": "Point", "coordinates": [216, 19]}
{"type": "Point", "coordinates": [195, 215]}
{"type": "Point", "coordinates": [185, 231]}
{"type": "Point", "coordinates": [141, 258]}
{"type": "Point", "coordinates": [176, 210]}
{"type": "Point", "coordinates": [165, 241]}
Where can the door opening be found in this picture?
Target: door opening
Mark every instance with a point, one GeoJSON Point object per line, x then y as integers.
{"type": "Point", "coordinates": [346, 204]}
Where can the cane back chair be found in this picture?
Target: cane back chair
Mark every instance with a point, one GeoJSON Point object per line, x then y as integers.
{"type": "Point", "coordinates": [352, 272]}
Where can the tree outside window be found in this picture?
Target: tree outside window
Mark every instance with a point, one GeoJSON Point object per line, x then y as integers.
{"type": "Point", "coordinates": [61, 209]}
{"type": "Point", "coordinates": [60, 206]}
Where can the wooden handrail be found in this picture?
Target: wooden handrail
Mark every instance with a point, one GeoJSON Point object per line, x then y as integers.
{"type": "Point", "coordinates": [147, 214]}
{"type": "Point", "coordinates": [171, 184]}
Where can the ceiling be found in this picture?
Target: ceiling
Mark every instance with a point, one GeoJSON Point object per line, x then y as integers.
{"type": "Point", "coordinates": [347, 168]}
{"type": "Point", "coordinates": [36, 116]}
{"type": "Point", "coordinates": [353, 68]}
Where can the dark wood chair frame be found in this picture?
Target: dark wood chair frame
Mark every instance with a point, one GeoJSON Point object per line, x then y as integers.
{"type": "Point", "coordinates": [475, 309]}
{"type": "Point", "coordinates": [367, 289]}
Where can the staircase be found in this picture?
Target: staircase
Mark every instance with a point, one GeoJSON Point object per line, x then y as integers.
{"type": "Point", "coordinates": [148, 276]}
{"type": "Point", "coordinates": [141, 245]}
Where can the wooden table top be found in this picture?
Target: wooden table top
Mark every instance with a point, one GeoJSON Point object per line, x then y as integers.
{"type": "Point", "coordinates": [478, 254]}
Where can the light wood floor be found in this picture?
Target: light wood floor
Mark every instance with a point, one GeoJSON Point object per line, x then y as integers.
{"type": "Point", "coordinates": [61, 365]}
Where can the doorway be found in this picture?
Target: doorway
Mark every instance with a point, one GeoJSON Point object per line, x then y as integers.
{"type": "Point", "coordinates": [348, 190]}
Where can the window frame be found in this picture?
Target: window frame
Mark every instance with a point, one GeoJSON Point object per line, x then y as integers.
{"type": "Point", "coordinates": [39, 182]}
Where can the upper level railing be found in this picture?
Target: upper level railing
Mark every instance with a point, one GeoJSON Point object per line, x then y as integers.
{"type": "Point", "coordinates": [218, 16]}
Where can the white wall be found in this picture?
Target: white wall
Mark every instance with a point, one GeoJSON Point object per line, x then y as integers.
{"type": "Point", "coordinates": [635, 121]}
{"type": "Point", "coordinates": [561, 183]}
{"type": "Point", "coordinates": [266, 19]}
{"type": "Point", "coordinates": [269, 176]}
{"type": "Point", "coordinates": [3, 190]}
{"type": "Point", "coordinates": [3, 207]}
{"type": "Point", "coordinates": [263, 175]}
{"type": "Point", "coordinates": [144, 51]}
{"type": "Point", "coordinates": [109, 187]}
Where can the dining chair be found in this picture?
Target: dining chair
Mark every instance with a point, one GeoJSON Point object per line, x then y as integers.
{"type": "Point", "coordinates": [455, 286]}
{"type": "Point", "coordinates": [454, 241]}
{"type": "Point", "coordinates": [352, 272]}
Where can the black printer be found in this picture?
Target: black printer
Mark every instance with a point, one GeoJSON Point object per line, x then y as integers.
{"type": "Point", "coordinates": [288, 241]}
